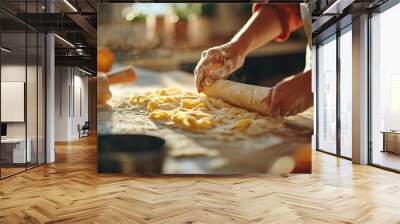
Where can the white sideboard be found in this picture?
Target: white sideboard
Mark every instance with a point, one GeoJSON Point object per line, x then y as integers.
{"type": "Point", "coordinates": [18, 147]}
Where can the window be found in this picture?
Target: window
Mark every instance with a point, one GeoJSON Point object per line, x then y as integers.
{"type": "Point", "coordinates": [346, 92]}
{"type": "Point", "coordinates": [385, 89]}
{"type": "Point", "coordinates": [22, 78]}
{"type": "Point", "coordinates": [329, 113]}
{"type": "Point", "coordinates": [326, 100]}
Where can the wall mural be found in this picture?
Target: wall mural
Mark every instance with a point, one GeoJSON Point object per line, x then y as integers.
{"type": "Point", "coordinates": [187, 88]}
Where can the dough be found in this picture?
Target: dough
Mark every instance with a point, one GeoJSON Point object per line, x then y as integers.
{"type": "Point", "coordinates": [206, 115]}
{"type": "Point", "coordinates": [242, 95]}
{"type": "Point", "coordinates": [193, 152]}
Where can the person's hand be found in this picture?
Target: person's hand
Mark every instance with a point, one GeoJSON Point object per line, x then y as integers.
{"type": "Point", "coordinates": [217, 63]}
{"type": "Point", "coordinates": [291, 96]}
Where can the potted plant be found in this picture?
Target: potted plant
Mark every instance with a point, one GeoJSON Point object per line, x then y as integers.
{"type": "Point", "coordinates": [134, 34]}
{"type": "Point", "coordinates": [202, 21]}
{"type": "Point", "coordinates": [181, 15]}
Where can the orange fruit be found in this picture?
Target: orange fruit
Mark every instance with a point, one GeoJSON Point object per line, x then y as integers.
{"type": "Point", "coordinates": [105, 60]}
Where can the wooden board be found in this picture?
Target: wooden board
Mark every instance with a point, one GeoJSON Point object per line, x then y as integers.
{"type": "Point", "coordinates": [256, 155]}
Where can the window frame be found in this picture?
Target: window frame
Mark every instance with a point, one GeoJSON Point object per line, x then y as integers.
{"type": "Point", "coordinates": [346, 27]}
{"type": "Point", "coordinates": [26, 30]}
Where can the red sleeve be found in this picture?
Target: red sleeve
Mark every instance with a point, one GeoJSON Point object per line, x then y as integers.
{"type": "Point", "coordinates": [289, 15]}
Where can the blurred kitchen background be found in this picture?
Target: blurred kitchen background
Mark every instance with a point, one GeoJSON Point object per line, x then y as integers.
{"type": "Point", "coordinates": [171, 36]}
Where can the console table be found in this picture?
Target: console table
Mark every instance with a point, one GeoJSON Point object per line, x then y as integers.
{"type": "Point", "coordinates": [391, 141]}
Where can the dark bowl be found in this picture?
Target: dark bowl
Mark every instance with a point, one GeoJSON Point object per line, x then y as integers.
{"type": "Point", "coordinates": [130, 153]}
{"type": "Point", "coordinates": [130, 143]}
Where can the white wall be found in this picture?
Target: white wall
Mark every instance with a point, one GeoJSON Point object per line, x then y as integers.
{"type": "Point", "coordinates": [70, 83]}
{"type": "Point", "coordinates": [83, 83]}
{"type": "Point", "coordinates": [61, 103]}
{"type": "Point", "coordinates": [15, 73]}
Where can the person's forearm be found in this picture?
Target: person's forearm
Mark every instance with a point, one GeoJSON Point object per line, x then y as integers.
{"type": "Point", "coordinates": [306, 77]}
{"type": "Point", "coordinates": [262, 27]}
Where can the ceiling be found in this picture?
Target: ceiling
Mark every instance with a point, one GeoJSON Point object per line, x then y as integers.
{"type": "Point", "coordinates": [74, 21]}
{"type": "Point", "coordinates": [330, 16]}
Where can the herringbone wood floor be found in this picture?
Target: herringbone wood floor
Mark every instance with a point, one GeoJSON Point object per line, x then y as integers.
{"type": "Point", "coordinates": [70, 191]}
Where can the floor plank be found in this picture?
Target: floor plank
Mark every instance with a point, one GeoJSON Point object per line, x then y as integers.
{"type": "Point", "coordinates": [71, 191]}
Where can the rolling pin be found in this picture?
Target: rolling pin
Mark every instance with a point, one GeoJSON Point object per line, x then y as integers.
{"type": "Point", "coordinates": [103, 90]}
{"type": "Point", "coordinates": [242, 95]}
{"type": "Point", "coordinates": [104, 80]}
{"type": "Point", "coordinates": [123, 75]}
